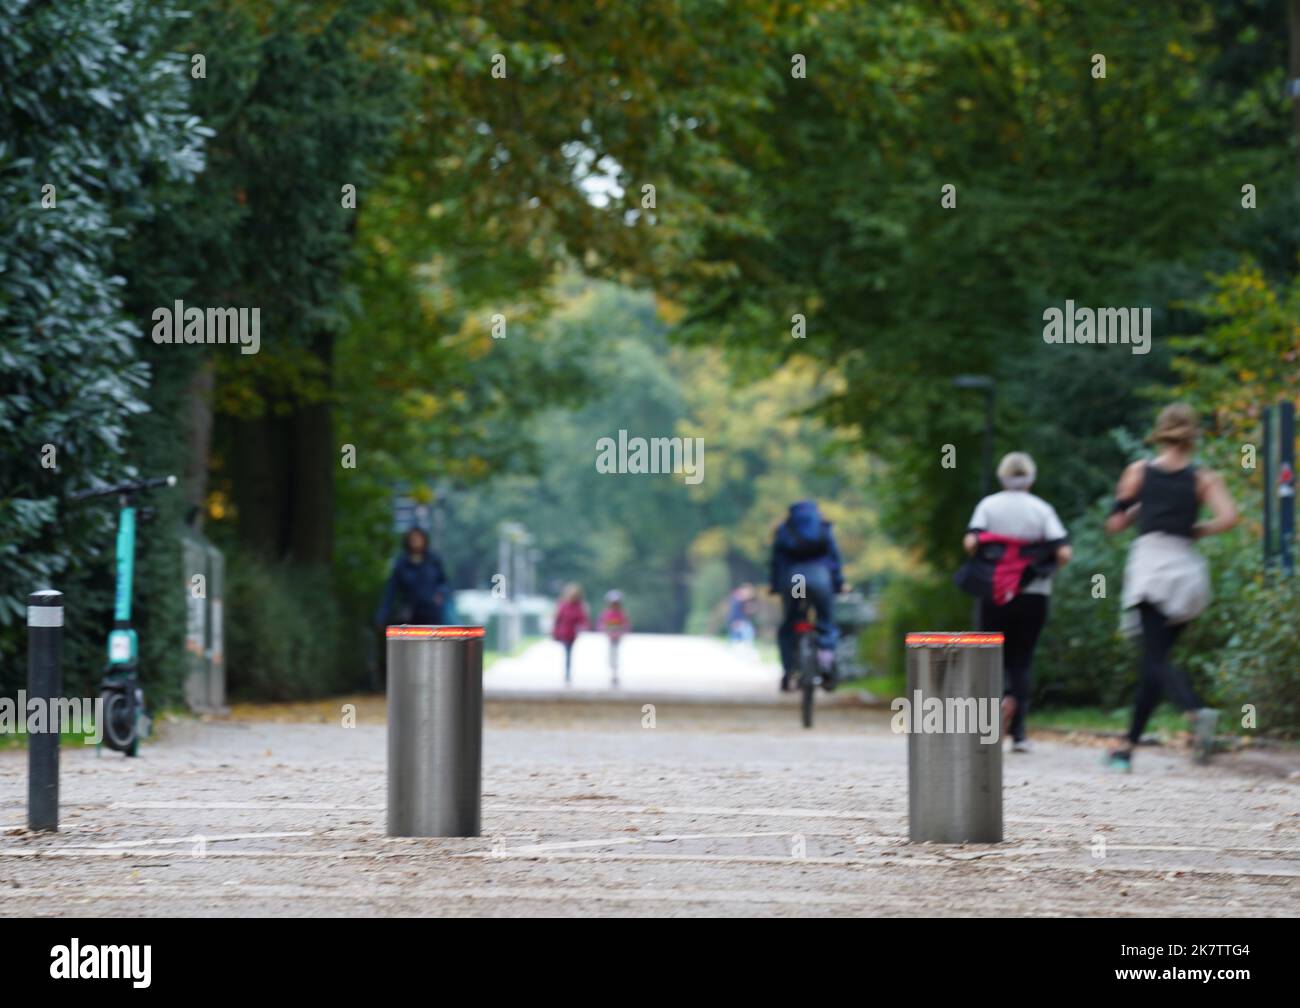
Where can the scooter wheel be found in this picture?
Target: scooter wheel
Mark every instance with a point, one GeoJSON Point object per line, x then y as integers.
{"type": "Point", "coordinates": [119, 722]}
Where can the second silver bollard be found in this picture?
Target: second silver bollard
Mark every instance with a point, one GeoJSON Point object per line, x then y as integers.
{"type": "Point", "coordinates": [435, 730]}
{"type": "Point", "coordinates": [954, 742]}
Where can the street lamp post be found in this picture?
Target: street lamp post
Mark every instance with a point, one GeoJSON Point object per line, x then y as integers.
{"type": "Point", "coordinates": [987, 385]}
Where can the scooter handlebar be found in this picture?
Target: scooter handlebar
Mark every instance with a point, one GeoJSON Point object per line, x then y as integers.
{"type": "Point", "coordinates": [129, 487]}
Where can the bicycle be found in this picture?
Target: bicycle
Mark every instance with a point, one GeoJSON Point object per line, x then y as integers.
{"type": "Point", "coordinates": [810, 675]}
{"type": "Point", "coordinates": [122, 699]}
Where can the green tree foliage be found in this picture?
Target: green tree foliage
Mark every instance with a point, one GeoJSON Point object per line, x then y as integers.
{"type": "Point", "coordinates": [491, 191]}
{"type": "Point", "coordinates": [657, 537]}
{"type": "Point", "coordinates": [93, 104]}
{"type": "Point", "coordinates": [1066, 186]}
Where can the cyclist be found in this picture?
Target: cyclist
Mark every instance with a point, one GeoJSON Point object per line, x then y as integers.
{"type": "Point", "coordinates": [806, 572]}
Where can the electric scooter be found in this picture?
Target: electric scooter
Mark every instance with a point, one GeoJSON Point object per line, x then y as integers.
{"type": "Point", "coordinates": [125, 720]}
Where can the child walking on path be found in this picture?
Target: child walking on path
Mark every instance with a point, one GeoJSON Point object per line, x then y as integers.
{"type": "Point", "coordinates": [615, 623]}
{"type": "Point", "coordinates": [1166, 581]}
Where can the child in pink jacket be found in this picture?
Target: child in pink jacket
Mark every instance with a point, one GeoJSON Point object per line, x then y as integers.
{"type": "Point", "coordinates": [570, 620]}
{"type": "Point", "coordinates": [615, 623]}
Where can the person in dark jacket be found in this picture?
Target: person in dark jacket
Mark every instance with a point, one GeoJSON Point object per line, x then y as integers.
{"type": "Point", "coordinates": [417, 586]}
{"type": "Point", "coordinates": [806, 571]}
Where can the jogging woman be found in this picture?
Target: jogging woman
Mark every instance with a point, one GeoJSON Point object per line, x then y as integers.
{"type": "Point", "coordinates": [1166, 582]}
{"type": "Point", "coordinates": [1018, 542]}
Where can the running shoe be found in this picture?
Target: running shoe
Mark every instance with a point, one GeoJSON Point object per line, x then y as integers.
{"type": "Point", "coordinates": [1022, 746]}
{"type": "Point", "coordinates": [1204, 723]}
{"type": "Point", "coordinates": [1119, 761]}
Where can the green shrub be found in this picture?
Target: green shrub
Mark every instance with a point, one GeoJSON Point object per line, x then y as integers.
{"type": "Point", "coordinates": [285, 632]}
{"type": "Point", "coordinates": [1259, 663]}
{"type": "Point", "coordinates": [1244, 650]}
{"type": "Point", "coordinates": [908, 603]}
{"type": "Point", "coordinates": [1082, 658]}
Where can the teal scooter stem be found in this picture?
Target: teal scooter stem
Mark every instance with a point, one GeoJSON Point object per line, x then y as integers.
{"type": "Point", "coordinates": [125, 720]}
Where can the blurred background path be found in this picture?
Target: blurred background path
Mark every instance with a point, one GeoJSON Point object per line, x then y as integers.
{"type": "Point", "coordinates": [649, 664]}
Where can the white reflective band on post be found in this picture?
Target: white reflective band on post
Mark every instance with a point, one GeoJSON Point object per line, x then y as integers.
{"type": "Point", "coordinates": [44, 615]}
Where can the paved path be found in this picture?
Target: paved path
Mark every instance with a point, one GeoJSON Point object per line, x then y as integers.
{"type": "Point", "coordinates": [714, 810]}
{"type": "Point", "coordinates": [662, 665]}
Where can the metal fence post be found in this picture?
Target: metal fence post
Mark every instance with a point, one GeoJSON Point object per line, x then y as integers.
{"type": "Point", "coordinates": [435, 730]}
{"type": "Point", "coordinates": [216, 647]}
{"type": "Point", "coordinates": [954, 741]}
{"type": "Point", "coordinates": [1286, 485]}
{"type": "Point", "coordinates": [44, 685]}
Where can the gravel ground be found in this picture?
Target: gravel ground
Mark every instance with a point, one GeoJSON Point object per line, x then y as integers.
{"type": "Point", "coordinates": [585, 812]}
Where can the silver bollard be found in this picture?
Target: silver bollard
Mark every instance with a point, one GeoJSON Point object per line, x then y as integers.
{"type": "Point", "coordinates": [435, 730]}
{"type": "Point", "coordinates": [954, 773]}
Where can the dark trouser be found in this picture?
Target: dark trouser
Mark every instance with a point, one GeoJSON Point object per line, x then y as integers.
{"type": "Point", "coordinates": [1158, 674]}
{"type": "Point", "coordinates": [426, 612]}
{"type": "Point", "coordinates": [819, 594]}
{"type": "Point", "coordinates": [568, 658]}
{"type": "Point", "coordinates": [1020, 622]}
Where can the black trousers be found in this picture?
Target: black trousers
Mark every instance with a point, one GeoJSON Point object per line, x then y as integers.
{"type": "Point", "coordinates": [1020, 622]}
{"type": "Point", "coordinates": [1158, 674]}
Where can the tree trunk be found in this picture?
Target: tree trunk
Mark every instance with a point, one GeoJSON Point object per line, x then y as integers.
{"type": "Point", "coordinates": [199, 440]}
{"type": "Point", "coordinates": [257, 467]}
{"type": "Point", "coordinates": [313, 458]}
{"type": "Point", "coordinates": [1293, 18]}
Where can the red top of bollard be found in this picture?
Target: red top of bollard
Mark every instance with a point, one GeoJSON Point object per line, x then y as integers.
{"type": "Point", "coordinates": [435, 632]}
{"type": "Point", "coordinates": [962, 639]}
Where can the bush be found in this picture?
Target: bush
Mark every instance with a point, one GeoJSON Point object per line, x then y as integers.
{"type": "Point", "coordinates": [1260, 661]}
{"type": "Point", "coordinates": [907, 603]}
{"type": "Point", "coordinates": [1082, 658]}
{"type": "Point", "coordinates": [1244, 649]}
{"type": "Point", "coordinates": [285, 632]}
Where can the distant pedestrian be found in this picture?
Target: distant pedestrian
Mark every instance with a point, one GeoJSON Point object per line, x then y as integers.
{"type": "Point", "coordinates": [740, 615]}
{"type": "Point", "coordinates": [570, 619]}
{"type": "Point", "coordinates": [1166, 581]}
{"type": "Point", "coordinates": [615, 623]}
{"type": "Point", "coordinates": [1016, 541]}
{"type": "Point", "coordinates": [417, 585]}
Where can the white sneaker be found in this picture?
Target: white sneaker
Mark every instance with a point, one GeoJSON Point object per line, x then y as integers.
{"type": "Point", "coordinates": [1022, 746]}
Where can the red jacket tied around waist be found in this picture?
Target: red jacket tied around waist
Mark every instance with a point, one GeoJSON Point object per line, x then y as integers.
{"type": "Point", "coordinates": [1003, 565]}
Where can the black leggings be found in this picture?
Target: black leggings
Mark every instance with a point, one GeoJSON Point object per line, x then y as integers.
{"type": "Point", "coordinates": [1020, 622]}
{"type": "Point", "coordinates": [1158, 674]}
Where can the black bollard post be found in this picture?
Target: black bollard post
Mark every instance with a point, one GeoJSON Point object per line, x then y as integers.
{"type": "Point", "coordinates": [45, 686]}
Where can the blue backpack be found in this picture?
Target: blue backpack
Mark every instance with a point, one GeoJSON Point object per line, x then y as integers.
{"type": "Point", "coordinates": [807, 533]}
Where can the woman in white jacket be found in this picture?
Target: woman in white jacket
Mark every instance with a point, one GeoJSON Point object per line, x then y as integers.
{"type": "Point", "coordinates": [1166, 583]}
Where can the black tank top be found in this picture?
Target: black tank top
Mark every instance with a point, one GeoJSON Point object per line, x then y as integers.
{"type": "Point", "coordinates": [1168, 501]}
